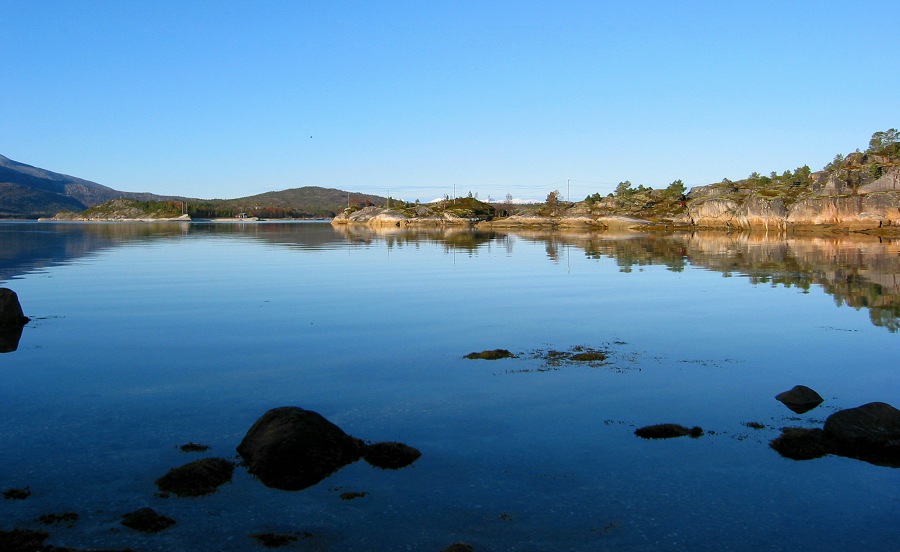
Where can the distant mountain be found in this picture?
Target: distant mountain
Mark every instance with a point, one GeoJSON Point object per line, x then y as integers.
{"type": "Point", "coordinates": [31, 192]}
{"type": "Point", "coordinates": [293, 202]}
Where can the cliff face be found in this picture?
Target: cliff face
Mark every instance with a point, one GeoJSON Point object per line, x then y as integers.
{"type": "Point", "coordinates": [850, 199]}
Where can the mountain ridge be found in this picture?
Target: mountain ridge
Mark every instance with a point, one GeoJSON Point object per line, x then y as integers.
{"type": "Point", "coordinates": [30, 192]}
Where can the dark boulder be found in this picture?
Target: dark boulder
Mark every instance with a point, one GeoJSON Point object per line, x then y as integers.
{"type": "Point", "coordinates": [798, 443]}
{"type": "Point", "coordinates": [870, 432]}
{"type": "Point", "coordinates": [146, 520]}
{"type": "Point", "coordinates": [800, 399]}
{"type": "Point", "coordinates": [390, 456]}
{"type": "Point", "coordinates": [11, 315]}
{"type": "Point", "coordinates": [667, 431]}
{"type": "Point", "coordinates": [12, 320]}
{"type": "Point", "coordinates": [291, 448]}
{"type": "Point", "coordinates": [198, 478]}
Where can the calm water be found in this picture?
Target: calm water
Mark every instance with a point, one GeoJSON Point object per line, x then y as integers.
{"type": "Point", "coordinates": [145, 337]}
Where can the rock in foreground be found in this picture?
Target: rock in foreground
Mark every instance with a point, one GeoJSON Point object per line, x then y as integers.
{"type": "Point", "coordinates": [798, 443]}
{"type": "Point", "coordinates": [667, 431]}
{"type": "Point", "coordinates": [870, 432]}
{"type": "Point", "coordinates": [146, 520]}
{"type": "Point", "coordinates": [291, 448]}
{"type": "Point", "coordinates": [390, 456]}
{"type": "Point", "coordinates": [11, 315]}
{"type": "Point", "coordinates": [198, 478]}
{"type": "Point", "coordinates": [800, 399]}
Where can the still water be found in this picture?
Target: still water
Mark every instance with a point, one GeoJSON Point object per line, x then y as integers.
{"type": "Point", "coordinates": [145, 337]}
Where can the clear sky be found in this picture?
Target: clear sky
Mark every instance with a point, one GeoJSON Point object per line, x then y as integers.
{"type": "Point", "coordinates": [224, 99]}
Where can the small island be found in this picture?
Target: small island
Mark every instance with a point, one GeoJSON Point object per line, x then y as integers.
{"type": "Point", "coordinates": [858, 192]}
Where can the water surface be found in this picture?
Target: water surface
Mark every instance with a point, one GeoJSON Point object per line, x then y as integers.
{"type": "Point", "coordinates": [145, 337]}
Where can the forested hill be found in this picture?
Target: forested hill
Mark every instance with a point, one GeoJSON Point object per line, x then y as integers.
{"type": "Point", "coordinates": [30, 192]}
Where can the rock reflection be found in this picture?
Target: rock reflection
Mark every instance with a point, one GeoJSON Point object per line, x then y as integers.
{"type": "Point", "coordinates": [9, 339]}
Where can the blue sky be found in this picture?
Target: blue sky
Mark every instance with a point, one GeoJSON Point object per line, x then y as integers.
{"type": "Point", "coordinates": [223, 99]}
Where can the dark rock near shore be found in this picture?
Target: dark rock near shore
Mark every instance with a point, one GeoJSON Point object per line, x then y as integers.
{"type": "Point", "coordinates": [800, 399]}
{"type": "Point", "coordinates": [12, 320]}
{"type": "Point", "coordinates": [668, 431]}
{"type": "Point", "coordinates": [798, 443]}
{"type": "Point", "coordinates": [146, 520]}
{"type": "Point", "coordinates": [291, 448]}
{"type": "Point", "coordinates": [870, 432]}
{"type": "Point", "coordinates": [11, 315]}
{"type": "Point", "coordinates": [390, 456]}
{"type": "Point", "coordinates": [198, 478]}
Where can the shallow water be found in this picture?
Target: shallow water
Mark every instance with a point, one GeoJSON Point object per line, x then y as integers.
{"type": "Point", "coordinates": [145, 337]}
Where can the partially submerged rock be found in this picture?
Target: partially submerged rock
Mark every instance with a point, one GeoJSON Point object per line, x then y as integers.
{"type": "Point", "coordinates": [198, 478]}
{"type": "Point", "coordinates": [11, 315]}
{"type": "Point", "coordinates": [276, 540]}
{"type": "Point", "coordinates": [12, 320]}
{"type": "Point", "coordinates": [492, 354]}
{"type": "Point", "coordinates": [22, 540]}
{"type": "Point", "coordinates": [799, 443]}
{"type": "Point", "coordinates": [16, 493]}
{"type": "Point", "coordinates": [870, 432]}
{"type": "Point", "coordinates": [800, 399]}
{"type": "Point", "coordinates": [668, 431]}
{"type": "Point", "coordinates": [146, 520]}
{"type": "Point", "coordinates": [459, 547]}
{"type": "Point", "coordinates": [291, 448]}
{"type": "Point", "coordinates": [390, 456]}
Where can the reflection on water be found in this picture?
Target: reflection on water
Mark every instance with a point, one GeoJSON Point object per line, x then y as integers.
{"type": "Point", "coordinates": [145, 337]}
{"type": "Point", "coordinates": [859, 271]}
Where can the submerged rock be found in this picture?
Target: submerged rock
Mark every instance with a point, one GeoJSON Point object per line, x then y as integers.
{"type": "Point", "coordinates": [800, 399]}
{"type": "Point", "coordinates": [799, 443]}
{"type": "Point", "coordinates": [870, 432]}
{"type": "Point", "coordinates": [390, 456]}
{"type": "Point", "coordinates": [291, 448]}
{"type": "Point", "coordinates": [17, 494]}
{"type": "Point", "coordinates": [198, 478]}
{"type": "Point", "coordinates": [459, 547]}
{"type": "Point", "coordinates": [22, 540]}
{"type": "Point", "coordinates": [492, 354]}
{"type": "Point", "coordinates": [668, 431]}
{"type": "Point", "coordinates": [146, 520]}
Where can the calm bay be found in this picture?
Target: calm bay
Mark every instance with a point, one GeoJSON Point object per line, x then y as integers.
{"type": "Point", "coordinates": [147, 336]}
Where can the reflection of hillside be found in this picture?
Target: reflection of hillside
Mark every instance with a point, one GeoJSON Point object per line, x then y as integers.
{"type": "Point", "coordinates": [858, 271]}
{"type": "Point", "coordinates": [27, 247]}
{"type": "Point", "coordinates": [452, 238]}
{"type": "Point", "coordinates": [31, 246]}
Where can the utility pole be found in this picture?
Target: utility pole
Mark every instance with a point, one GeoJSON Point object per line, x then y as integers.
{"type": "Point", "coordinates": [568, 191]}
